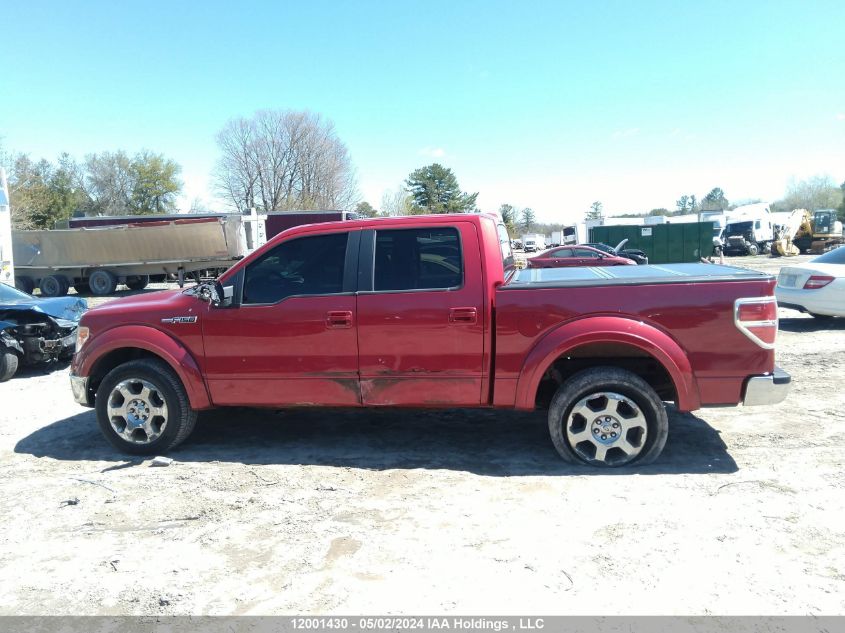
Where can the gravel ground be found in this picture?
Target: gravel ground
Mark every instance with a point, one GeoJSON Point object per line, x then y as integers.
{"type": "Point", "coordinates": [430, 512]}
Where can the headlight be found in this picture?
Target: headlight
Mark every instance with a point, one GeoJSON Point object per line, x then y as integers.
{"type": "Point", "coordinates": [82, 334]}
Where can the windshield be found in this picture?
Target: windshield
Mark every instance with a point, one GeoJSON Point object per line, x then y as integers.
{"type": "Point", "coordinates": [7, 293]}
{"type": "Point", "coordinates": [738, 227]}
{"type": "Point", "coordinates": [836, 256]}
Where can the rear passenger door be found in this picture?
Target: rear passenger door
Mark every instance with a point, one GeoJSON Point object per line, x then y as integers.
{"type": "Point", "coordinates": [587, 257]}
{"type": "Point", "coordinates": [421, 316]}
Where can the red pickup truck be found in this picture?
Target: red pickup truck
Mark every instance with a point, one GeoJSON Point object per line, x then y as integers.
{"type": "Point", "coordinates": [429, 311]}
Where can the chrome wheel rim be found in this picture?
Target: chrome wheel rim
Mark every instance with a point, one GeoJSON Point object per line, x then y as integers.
{"type": "Point", "coordinates": [607, 428]}
{"type": "Point", "coordinates": [137, 411]}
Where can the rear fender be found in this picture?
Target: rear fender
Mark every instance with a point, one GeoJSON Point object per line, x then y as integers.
{"type": "Point", "coordinates": [608, 329]}
{"type": "Point", "coordinates": [151, 340]}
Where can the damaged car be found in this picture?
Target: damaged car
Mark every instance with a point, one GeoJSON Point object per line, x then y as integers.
{"type": "Point", "coordinates": [34, 331]}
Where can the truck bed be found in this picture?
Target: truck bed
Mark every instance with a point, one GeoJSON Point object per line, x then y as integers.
{"type": "Point", "coordinates": [573, 277]}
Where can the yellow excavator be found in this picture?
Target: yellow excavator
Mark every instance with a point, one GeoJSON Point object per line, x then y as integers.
{"type": "Point", "coordinates": [806, 232]}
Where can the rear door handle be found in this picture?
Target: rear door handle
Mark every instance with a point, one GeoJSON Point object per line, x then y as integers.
{"type": "Point", "coordinates": [339, 319]}
{"type": "Point", "coordinates": [463, 315]}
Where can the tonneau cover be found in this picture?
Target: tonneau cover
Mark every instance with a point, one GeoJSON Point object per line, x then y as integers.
{"type": "Point", "coordinates": [530, 278]}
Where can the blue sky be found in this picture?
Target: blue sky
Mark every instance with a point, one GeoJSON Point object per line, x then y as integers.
{"type": "Point", "coordinates": [544, 104]}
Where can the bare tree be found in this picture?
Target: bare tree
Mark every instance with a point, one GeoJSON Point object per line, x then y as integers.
{"type": "Point", "coordinates": [396, 202]}
{"type": "Point", "coordinates": [818, 192]}
{"type": "Point", "coordinates": [109, 182]}
{"type": "Point", "coordinates": [283, 159]}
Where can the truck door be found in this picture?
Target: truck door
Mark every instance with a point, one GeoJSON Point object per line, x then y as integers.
{"type": "Point", "coordinates": [421, 316]}
{"type": "Point", "coordinates": [292, 340]}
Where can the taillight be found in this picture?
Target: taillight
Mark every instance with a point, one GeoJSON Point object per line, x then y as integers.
{"type": "Point", "coordinates": [758, 319]}
{"type": "Point", "coordinates": [817, 281]}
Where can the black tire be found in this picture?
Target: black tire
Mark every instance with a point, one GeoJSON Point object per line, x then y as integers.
{"type": "Point", "coordinates": [181, 418]}
{"type": "Point", "coordinates": [137, 282]}
{"type": "Point", "coordinates": [599, 380]}
{"type": "Point", "coordinates": [102, 282]}
{"type": "Point", "coordinates": [53, 286]}
{"type": "Point", "coordinates": [753, 250]}
{"type": "Point", "coordinates": [25, 284]}
{"type": "Point", "coordinates": [8, 364]}
{"type": "Point", "coordinates": [82, 288]}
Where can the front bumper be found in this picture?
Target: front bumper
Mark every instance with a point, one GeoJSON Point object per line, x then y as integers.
{"type": "Point", "coordinates": [79, 386]}
{"type": "Point", "coordinates": [771, 389]}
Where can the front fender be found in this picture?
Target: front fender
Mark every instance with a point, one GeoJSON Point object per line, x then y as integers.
{"type": "Point", "coordinates": [151, 340]}
{"type": "Point", "coordinates": [608, 329]}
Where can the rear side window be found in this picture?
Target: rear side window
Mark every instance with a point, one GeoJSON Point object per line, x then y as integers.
{"type": "Point", "coordinates": [418, 259]}
{"type": "Point", "coordinates": [505, 246]}
{"type": "Point", "coordinates": [563, 252]}
{"type": "Point", "coordinates": [302, 266]}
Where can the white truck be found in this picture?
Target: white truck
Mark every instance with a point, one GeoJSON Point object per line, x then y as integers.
{"type": "Point", "coordinates": [533, 242]}
{"type": "Point", "coordinates": [7, 260]}
{"type": "Point", "coordinates": [577, 233]}
{"type": "Point", "coordinates": [750, 230]}
{"type": "Point", "coordinates": [719, 220]}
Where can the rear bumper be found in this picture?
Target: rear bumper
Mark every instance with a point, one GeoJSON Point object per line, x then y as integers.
{"type": "Point", "coordinates": [79, 386]}
{"type": "Point", "coordinates": [771, 389]}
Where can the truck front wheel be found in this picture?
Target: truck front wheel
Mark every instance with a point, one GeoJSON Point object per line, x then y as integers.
{"type": "Point", "coordinates": [607, 416]}
{"type": "Point", "coordinates": [143, 409]}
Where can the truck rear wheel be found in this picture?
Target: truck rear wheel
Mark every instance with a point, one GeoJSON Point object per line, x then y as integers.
{"type": "Point", "coordinates": [102, 282]}
{"type": "Point", "coordinates": [137, 282]}
{"type": "Point", "coordinates": [53, 286]}
{"type": "Point", "coordinates": [607, 416]}
{"type": "Point", "coordinates": [25, 284]}
{"type": "Point", "coordinates": [143, 409]}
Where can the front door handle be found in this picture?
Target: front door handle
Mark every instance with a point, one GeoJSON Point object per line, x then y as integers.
{"type": "Point", "coordinates": [463, 315]}
{"type": "Point", "coordinates": [339, 319]}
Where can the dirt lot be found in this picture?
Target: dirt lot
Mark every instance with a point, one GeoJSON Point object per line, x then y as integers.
{"type": "Point", "coordinates": [460, 512]}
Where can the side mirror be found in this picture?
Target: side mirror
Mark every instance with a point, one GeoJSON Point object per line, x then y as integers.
{"type": "Point", "coordinates": [215, 294]}
{"type": "Point", "coordinates": [227, 294]}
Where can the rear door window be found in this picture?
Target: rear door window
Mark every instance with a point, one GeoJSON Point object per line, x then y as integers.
{"type": "Point", "coordinates": [418, 259]}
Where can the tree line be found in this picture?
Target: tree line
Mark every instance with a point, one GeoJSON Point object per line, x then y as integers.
{"type": "Point", "coordinates": [279, 160]}
{"type": "Point", "coordinates": [44, 192]}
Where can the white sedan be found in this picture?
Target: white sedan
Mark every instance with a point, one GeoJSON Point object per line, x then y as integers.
{"type": "Point", "coordinates": [817, 287]}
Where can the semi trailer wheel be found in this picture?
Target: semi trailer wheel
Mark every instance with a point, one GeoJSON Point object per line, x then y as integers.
{"type": "Point", "coordinates": [607, 416]}
{"type": "Point", "coordinates": [25, 284]}
{"type": "Point", "coordinates": [137, 282]}
{"type": "Point", "coordinates": [53, 286]}
{"type": "Point", "coordinates": [102, 282]}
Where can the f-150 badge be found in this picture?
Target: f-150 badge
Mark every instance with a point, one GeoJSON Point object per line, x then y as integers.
{"type": "Point", "coordinates": [180, 319]}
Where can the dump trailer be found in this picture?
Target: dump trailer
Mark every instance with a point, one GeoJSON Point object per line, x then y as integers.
{"type": "Point", "coordinates": [96, 259]}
